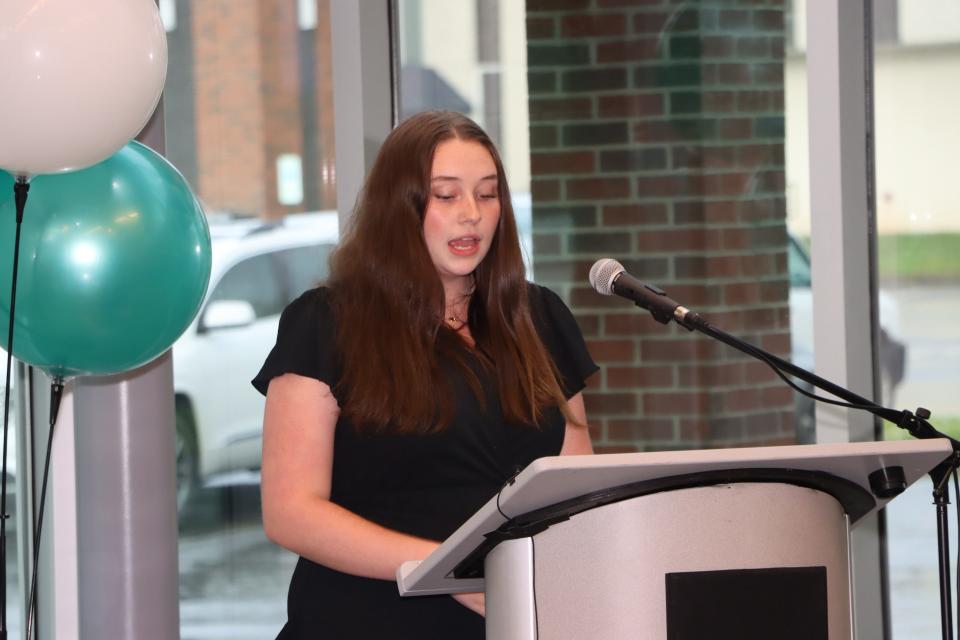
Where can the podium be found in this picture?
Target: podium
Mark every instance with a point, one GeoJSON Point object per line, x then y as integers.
{"type": "Point", "coordinates": [721, 544]}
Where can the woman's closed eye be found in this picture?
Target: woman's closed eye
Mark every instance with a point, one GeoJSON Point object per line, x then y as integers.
{"type": "Point", "coordinates": [447, 197]}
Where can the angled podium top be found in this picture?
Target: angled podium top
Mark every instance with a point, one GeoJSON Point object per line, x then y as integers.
{"type": "Point", "coordinates": [843, 468]}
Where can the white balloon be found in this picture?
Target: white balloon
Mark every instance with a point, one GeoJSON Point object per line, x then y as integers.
{"type": "Point", "coordinates": [78, 80]}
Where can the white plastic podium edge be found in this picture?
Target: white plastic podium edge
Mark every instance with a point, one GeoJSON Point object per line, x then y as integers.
{"type": "Point", "coordinates": [917, 457]}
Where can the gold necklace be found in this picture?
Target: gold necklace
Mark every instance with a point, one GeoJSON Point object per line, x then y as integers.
{"type": "Point", "coordinates": [455, 321]}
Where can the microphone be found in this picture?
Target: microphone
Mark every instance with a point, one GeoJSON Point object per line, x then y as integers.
{"type": "Point", "coordinates": [609, 277]}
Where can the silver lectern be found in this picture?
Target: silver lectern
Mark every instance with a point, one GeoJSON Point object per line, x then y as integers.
{"type": "Point", "coordinates": [725, 543]}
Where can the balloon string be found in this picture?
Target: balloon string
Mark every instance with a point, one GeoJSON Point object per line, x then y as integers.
{"type": "Point", "coordinates": [20, 189]}
{"type": "Point", "coordinates": [56, 392]}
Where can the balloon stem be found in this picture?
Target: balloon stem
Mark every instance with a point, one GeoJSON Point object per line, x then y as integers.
{"type": "Point", "coordinates": [20, 189]}
{"type": "Point", "coordinates": [56, 393]}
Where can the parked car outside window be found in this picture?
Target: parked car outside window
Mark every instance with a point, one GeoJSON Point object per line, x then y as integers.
{"type": "Point", "coordinates": [892, 352]}
{"type": "Point", "coordinates": [257, 269]}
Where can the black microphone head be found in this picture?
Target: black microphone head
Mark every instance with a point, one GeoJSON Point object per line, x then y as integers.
{"type": "Point", "coordinates": [603, 273]}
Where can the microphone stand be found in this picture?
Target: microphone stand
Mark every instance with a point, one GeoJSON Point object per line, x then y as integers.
{"type": "Point", "coordinates": [664, 310]}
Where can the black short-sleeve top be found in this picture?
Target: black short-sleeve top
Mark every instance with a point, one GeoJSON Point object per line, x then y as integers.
{"type": "Point", "coordinates": [424, 485]}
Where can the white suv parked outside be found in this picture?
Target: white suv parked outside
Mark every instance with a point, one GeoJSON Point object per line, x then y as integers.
{"type": "Point", "coordinates": [257, 269]}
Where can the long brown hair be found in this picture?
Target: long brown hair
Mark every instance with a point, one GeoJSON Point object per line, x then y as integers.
{"type": "Point", "coordinates": [389, 299]}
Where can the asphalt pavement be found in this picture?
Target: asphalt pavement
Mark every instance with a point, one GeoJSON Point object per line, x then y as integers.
{"type": "Point", "coordinates": [233, 581]}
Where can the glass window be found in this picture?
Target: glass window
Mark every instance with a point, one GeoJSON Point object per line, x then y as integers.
{"type": "Point", "coordinates": [248, 109]}
{"type": "Point", "coordinates": [662, 135]}
{"type": "Point", "coordinates": [255, 281]}
{"type": "Point", "coordinates": [798, 262]}
{"type": "Point", "coordinates": [918, 244]}
{"type": "Point", "coordinates": [305, 267]}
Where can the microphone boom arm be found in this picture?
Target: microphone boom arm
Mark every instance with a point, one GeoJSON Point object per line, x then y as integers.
{"type": "Point", "coordinates": [916, 424]}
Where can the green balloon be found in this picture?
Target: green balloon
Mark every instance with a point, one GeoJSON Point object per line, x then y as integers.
{"type": "Point", "coordinates": [114, 264]}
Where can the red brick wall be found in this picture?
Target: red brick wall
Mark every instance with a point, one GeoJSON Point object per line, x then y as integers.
{"type": "Point", "coordinates": [231, 154]}
{"type": "Point", "coordinates": [280, 92]}
{"type": "Point", "coordinates": [248, 98]}
{"type": "Point", "coordinates": [657, 138]}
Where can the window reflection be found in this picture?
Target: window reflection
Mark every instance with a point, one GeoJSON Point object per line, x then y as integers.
{"type": "Point", "coordinates": [918, 227]}
{"type": "Point", "coordinates": [248, 109]}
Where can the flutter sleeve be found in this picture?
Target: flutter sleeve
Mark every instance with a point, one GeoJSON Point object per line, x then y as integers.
{"type": "Point", "coordinates": [305, 342]}
{"type": "Point", "coordinates": [561, 336]}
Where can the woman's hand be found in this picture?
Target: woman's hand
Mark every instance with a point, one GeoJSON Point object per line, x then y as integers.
{"type": "Point", "coordinates": [476, 602]}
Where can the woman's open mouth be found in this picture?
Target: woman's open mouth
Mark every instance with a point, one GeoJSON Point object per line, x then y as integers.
{"type": "Point", "coordinates": [464, 245]}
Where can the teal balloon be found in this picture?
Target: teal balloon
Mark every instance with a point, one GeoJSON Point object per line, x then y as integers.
{"type": "Point", "coordinates": [114, 264]}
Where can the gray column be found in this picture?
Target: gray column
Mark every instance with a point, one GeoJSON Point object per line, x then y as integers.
{"type": "Point", "coordinates": [362, 91]}
{"type": "Point", "coordinates": [840, 241]}
{"type": "Point", "coordinates": [126, 505]}
{"type": "Point", "coordinates": [108, 560]}
{"type": "Point", "coordinates": [843, 298]}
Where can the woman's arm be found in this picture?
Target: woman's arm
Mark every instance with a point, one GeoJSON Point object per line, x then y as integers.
{"type": "Point", "coordinates": [576, 440]}
{"type": "Point", "coordinates": [299, 422]}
